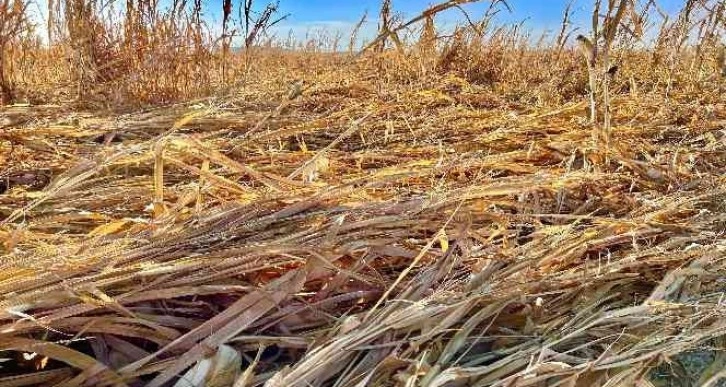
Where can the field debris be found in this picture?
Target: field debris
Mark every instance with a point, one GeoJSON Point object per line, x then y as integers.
{"type": "Point", "coordinates": [388, 223]}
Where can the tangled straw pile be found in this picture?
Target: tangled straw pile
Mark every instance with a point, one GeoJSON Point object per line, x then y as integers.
{"type": "Point", "coordinates": [358, 236]}
{"type": "Point", "coordinates": [443, 213]}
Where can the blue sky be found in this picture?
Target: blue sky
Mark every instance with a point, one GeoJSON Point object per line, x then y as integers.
{"type": "Point", "coordinates": [339, 16]}
{"type": "Point", "coordinates": [545, 11]}
{"type": "Point", "coordinates": [350, 11]}
{"type": "Point", "coordinates": [332, 15]}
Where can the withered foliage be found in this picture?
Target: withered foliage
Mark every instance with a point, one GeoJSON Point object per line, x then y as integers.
{"type": "Point", "coordinates": [437, 214]}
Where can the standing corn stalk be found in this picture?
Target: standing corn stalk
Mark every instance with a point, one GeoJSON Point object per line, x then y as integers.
{"type": "Point", "coordinates": [596, 52]}
{"type": "Point", "coordinates": [427, 40]}
{"type": "Point", "coordinates": [226, 36]}
{"type": "Point", "coordinates": [256, 24]}
{"type": "Point", "coordinates": [85, 33]}
{"type": "Point", "coordinates": [589, 52]}
{"type": "Point", "coordinates": [13, 22]}
{"type": "Point", "coordinates": [355, 32]}
{"type": "Point", "coordinates": [384, 25]}
{"type": "Point", "coordinates": [387, 28]}
{"type": "Point", "coordinates": [708, 35]}
{"type": "Point", "coordinates": [393, 27]}
{"type": "Point", "coordinates": [564, 35]}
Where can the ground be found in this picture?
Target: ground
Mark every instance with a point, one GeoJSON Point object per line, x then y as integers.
{"type": "Point", "coordinates": [434, 233]}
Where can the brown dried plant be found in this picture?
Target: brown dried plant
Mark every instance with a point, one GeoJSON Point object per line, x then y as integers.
{"type": "Point", "coordinates": [430, 215]}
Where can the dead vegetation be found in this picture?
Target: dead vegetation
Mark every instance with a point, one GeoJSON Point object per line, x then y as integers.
{"type": "Point", "coordinates": [434, 214]}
